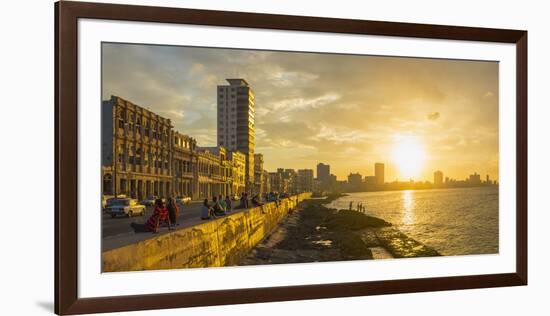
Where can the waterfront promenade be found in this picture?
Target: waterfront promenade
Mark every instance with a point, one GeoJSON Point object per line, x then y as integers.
{"type": "Point", "coordinates": [223, 241]}
{"type": "Point", "coordinates": [117, 232]}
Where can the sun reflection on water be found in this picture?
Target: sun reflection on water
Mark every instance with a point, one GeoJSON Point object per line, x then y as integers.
{"type": "Point", "coordinates": [408, 206]}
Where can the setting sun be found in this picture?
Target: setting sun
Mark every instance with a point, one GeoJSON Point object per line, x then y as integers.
{"type": "Point", "coordinates": [409, 156]}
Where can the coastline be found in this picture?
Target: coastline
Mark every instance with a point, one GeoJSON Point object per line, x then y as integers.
{"type": "Point", "coordinates": [316, 233]}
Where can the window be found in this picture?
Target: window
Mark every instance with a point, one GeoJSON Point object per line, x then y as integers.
{"type": "Point", "coordinates": [121, 120]}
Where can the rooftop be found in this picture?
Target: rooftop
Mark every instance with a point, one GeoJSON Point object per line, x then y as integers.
{"type": "Point", "coordinates": [237, 82]}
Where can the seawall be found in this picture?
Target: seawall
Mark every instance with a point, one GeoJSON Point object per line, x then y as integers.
{"type": "Point", "coordinates": [220, 242]}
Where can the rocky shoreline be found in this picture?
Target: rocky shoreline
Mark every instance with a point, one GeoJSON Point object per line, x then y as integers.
{"type": "Point", "coordinates": [315, 233]}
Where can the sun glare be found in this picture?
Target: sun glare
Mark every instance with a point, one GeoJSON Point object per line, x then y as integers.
{"type": "Point", "coordinates": [409, 156]}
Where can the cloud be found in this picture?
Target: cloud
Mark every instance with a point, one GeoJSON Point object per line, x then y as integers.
{"type": "Point", "coordinates": [433, 116]}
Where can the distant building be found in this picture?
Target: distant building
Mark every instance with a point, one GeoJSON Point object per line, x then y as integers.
{"type": "Point", "coordinates": [236, 122]}
{"type": "Point", "coordinates": [323, 174]}
{"type": "Point", "coordinates": [438, 178]}
{"type": "Point", "coordinates": [379, 173]}
{"type": "Point", "coordinates": [474, 179]}
{"type": "Point", "coordinates": [370, 180]}
{"type": "Point", "coordinates": [291, 178]}
{"type": "Point", "coordinates": [487, 179]}
{"type": "Point", "coordinates": [276, 181]}
{"type": "Point", "coordinates": [266, 185]}
{"type": "Point", "coordinates": [238, 163]}
{"type": "Point", "coordinates": [258, 173]}
{"type": "Point", "coordinates": [332, 183]}
{"type": "Point", "coordinates": [317, 186]}
{"type": "Point", "coordinates": [305, 180]}
{"type": "Point", "coordinates": [355, 180]}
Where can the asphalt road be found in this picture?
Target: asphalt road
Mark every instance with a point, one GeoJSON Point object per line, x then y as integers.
{"type": "Point", "coordinates": [117, 231]}
{"type": "Point", "coordinates": [189, 214]}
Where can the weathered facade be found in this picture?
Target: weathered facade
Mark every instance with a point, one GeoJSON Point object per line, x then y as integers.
{"type": "Point", "coordinates": [305, 180]}
{"type": "Point", "coordinates": [137, 150]}
{"type": "Point", "coordinates": [184, 158]}
{"type": "Point", "coordinates": [209, 177]}
{"type": "Point", "coordinates": [238, 164]}
{"type": "Point", "coordinates": [266, 185]}
{"type": "Point", "coordinates": [258, 173]}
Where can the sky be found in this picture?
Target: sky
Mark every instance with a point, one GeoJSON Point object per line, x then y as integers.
{"type": "Point", "coordinates": [414, 115]}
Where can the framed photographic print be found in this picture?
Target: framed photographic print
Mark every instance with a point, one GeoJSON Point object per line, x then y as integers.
{"type": "Point", "coordinates": [211, 157]}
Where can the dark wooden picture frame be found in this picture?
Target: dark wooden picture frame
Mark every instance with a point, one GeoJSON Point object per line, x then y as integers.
{"type": "Point", "coordinates": [66, 159]}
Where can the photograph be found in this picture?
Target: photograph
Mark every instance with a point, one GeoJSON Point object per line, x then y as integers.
{"type": "Point", "coordinates": [235, 157]}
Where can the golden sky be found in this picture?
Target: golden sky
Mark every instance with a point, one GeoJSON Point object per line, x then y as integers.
{"type": "Point", "coordinates": [415, 115]}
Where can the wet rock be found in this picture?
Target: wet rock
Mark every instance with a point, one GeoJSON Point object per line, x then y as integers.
{"type": "Point", "coordinates": [402, 246]}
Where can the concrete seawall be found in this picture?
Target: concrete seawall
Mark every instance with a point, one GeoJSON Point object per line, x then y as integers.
{"type": "Point", "coordinates": [220, 242]}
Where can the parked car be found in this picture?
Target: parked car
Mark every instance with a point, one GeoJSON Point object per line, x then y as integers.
{"type": "Point", "coordinates": [104, 200]}
{"type": "Point", "coordinates": [183, 200]}
{"type": "Point", "coordinates": [149, 201]}
{"type": "Point", "coordinates": [125, 207]}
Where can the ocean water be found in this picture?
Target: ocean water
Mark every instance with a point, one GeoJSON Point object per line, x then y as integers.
{"type": "Point", "coordinates": [453, 221]}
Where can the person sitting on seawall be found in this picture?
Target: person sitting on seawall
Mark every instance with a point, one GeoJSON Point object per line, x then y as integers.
{"type": "Point", "coordinates": [242, 203]}
{"type": "Point", "coordinates": [159, 216]}
{"type": "Point", "coordinates": [256, 201]}
{"type": "Point", "coordinates": [246, 205]}
{"type": "Point", "coordinates": [218, 210]}
{"type": "Point", "coordinates": [222, 203]}
{"type": "Point", "coordinates": [206, 211]}
{"type": "Point", "coordinates": [276, 198]}
{"type": "Point", "coordinates": [173, 211]}
{"type": "Point", "coordinates": [228, 204]}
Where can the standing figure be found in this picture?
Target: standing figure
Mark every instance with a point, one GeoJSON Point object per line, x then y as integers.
{"type": "Point", "coordinates": [173, 211]}
{"type": "Point", "coordinates": [228, 204]}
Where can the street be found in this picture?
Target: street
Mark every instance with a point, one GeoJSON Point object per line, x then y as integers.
{"type": "Point", "coordinates": [117, 232]}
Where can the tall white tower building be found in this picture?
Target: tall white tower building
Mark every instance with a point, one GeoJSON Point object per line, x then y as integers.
{"type": "Point", "coordinates": [236, 122]}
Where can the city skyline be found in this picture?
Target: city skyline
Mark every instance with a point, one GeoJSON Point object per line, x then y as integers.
{"type": "Point", "coordinates": [180, 82]}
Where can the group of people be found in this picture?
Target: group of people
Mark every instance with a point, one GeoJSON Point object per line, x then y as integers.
{"type": "Point", "coordinates": [162, 215]}
{"type": "Point", "coordinates": [218, 207]}
{"type": "Point", "coordinates": [168, 214]}
{"type": "Point", "coordinates": [360, 207]}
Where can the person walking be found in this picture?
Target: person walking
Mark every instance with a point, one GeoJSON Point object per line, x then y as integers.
{"type": "Point", "coordinates": [351, 205]}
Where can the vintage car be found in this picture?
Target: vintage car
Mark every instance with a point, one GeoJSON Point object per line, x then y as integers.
{"type": "Point", "coordinates": [125, 207]}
